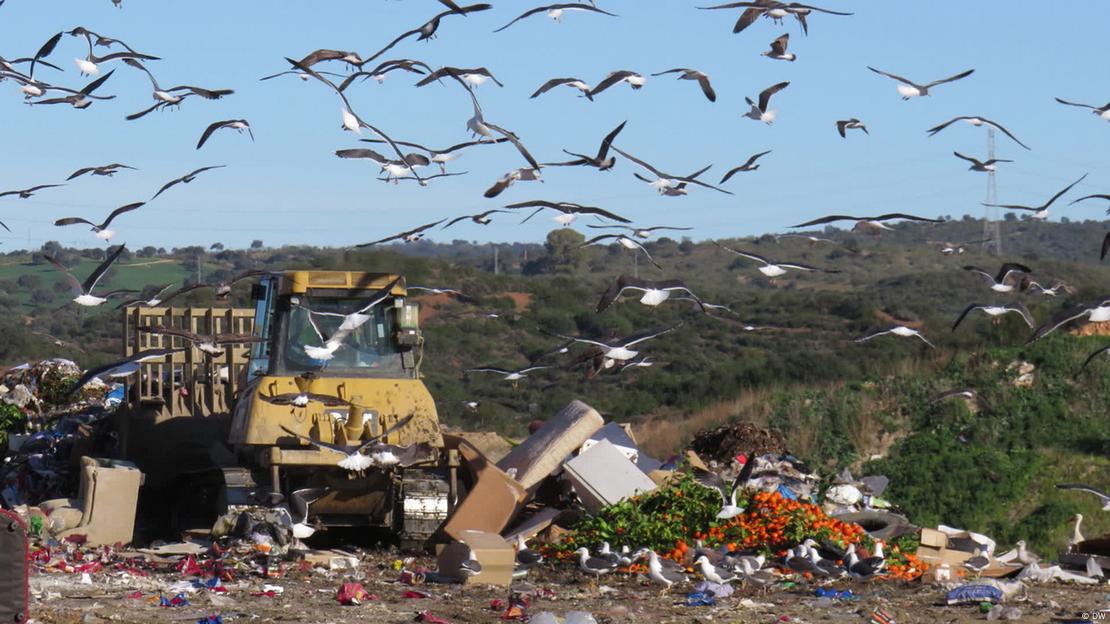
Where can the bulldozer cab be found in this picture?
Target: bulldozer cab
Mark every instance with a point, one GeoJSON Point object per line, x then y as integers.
{"type": "Point", "coordinates": [244, 416]}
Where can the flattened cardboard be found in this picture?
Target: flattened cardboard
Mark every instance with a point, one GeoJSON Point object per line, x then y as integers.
{"type": "Point", "coordinates": [544, 452]}
{"type": "Point", "coordinates": [533, 526]}
{"type": "Point", "coordinates": [493, 501]}
{"type": "Point", "coordinates": [496, 556]}
{"type": "Point", "coordinates": [934, 550]}
{"type": "Point", "coordinates": [603, 476]}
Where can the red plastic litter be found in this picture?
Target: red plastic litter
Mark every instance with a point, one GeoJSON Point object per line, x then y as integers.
{"type": "Point", "coordinates": [353, 594]}
{"type": "Point", "coordinates": [135, 595]}
{"type": "Point", "coordinates": [497, 604]}
{"type": "Point", "coordinates": [426, 616]}
{"type": "Point", "coordinates": [76, 539]}
{"type": "Point", "coordinates": [412, 593]}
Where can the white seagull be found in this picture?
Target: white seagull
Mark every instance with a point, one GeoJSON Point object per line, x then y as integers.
{"type": "Point", "coordinates": [761, 112]}
{"type": "Point", "coordinates": [771, 268]}
{"type": "Point", "coordinates": [508, 375]}
{"type": "Point", "coordinates": [976, 121]}
{"type": "Point", "coordinates": [1096, 312]}
{"type": "Point", "coordinates": [898, 330]}
{"type": "Point", "coordinates": [1102, 112]}
{"type": "Point", "coordinates": [909, 89]}
{"type": "Point", "coordinates": [778, 49]}
{"type": "Point", "coordinates": [555, 12]}
{"type": "Point", "coordinates": [100, 229]}
{"type": "Point", "coordinates": [83, 291]}
{"type": "Point", "coordinates": [634, 80]}
{"type": "Point", "coordinates": [996, 311]}
{"type": "Point", "coordinates": [654, 292]}
{"type": "Point", "coordinates": [625, 242]}
{"type": "Point", "coordinates": [621, 350]}
{"type": "Point", "coordinates": [1039, 212]}
{"type": "Point", "coordinates": [1000, 283]}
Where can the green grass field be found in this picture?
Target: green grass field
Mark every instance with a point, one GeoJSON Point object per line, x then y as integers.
{"type": "Point", "coordinates": [135, 274]}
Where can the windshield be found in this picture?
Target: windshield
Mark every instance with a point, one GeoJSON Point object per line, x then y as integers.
{"type": "Point", "coordinates": [366, 350]}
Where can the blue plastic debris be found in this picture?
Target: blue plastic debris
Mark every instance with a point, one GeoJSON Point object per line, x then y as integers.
{"type": "Point", "coordinates": [971, 594]}
{"type": "Point", "coordinates": [211, 619]}
{"type": "Point", "coordinates": [700, 599]}
{"type": "Point", "coordinates": [177, 601]}
{"type": "Point", "coordinates": [842, 594]}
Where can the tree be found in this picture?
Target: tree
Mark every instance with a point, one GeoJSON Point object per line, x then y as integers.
{"type": "Point", "coordinates": [564, 250]}
{"type": "Point", "coordinates": [146, 252]}
{"type": "Point", "coordinates": [256, 244]}
{"type": "Point", "coordinates": [216, 247]}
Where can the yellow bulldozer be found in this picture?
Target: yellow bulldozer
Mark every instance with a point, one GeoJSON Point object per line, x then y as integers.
{"type": "Point", "coordinates": [261, 423]}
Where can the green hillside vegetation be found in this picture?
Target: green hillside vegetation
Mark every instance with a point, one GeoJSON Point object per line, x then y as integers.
{"type": "Point", "coordinates": [839, 403]}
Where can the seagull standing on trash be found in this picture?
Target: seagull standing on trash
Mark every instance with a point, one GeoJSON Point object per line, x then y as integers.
{"type": "Point", "coordinates": [714, 574]}
{"type": "Point", "coordinates": [594, 566]}
{"type": "Point", "coordinates": [663, 576]}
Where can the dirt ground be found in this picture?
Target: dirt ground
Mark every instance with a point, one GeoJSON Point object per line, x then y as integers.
{"type": "Point", "coordinates": [309, 596]}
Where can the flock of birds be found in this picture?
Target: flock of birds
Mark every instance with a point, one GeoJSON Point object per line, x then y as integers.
{"type": "Point", "coordinates": [400, 161]}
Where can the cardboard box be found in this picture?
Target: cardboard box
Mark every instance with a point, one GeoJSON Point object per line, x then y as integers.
{"type": "Point", "coordinates": [936, 549]}
{"type": "Point", "coordinates": [544, 452]}
{"type": "Point", "coordinates": [603, 476]}
{"type": "Point", "coordinates": [491, 504]}
{"type": "Point", "coordinates": [494, 553]}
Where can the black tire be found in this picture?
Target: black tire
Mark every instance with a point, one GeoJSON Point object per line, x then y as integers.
{"type": "Point", "coordinates": [881, 525]}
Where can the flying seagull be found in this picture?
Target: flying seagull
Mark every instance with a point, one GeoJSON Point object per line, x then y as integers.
{"type": "Point", "coordinates": [995, 311]}
{"type": "Point", "coordinates": [602, 161]}
{"type": "Point", "coordinates": [713, 481]}
{"type": "Point", "coordinates": [103, 170]}
{"type": "Point", "coordinates": [870, 224]}
{"type": "Point", "coordinates": [213, 344]}
{"type": "Point", "coordinates": [1091, 357]}
{"type": "Point", "coordinates": [473, 77]}
{"type": "Point", "coordinates": [82, 291]}
{"type": "Point", "coordinates": [1103, 497]}
{"type": "Point", "coordinates": [981, 165]}
{"type": "Point", "coordinates": [379, 73]}
{"type": "Point", "coordinates": [443, 156]}
{"type": "Point", "coordinates": [236, 124]}
{"type": "Point", "coordinates": [1102, 111]}
{"type": "Point", "coordinates": [1095, 196]}
{"type": "Point", "coordinates": [100, 229]}
{"type": "Point", "coordinates": [747, 166]}
{"type": "Point", "coordinates": [778, 49]}
{"type": "Point", "coordinates": [639, 232]}
{"type": "Point", "coordinates": [151, 301]}
{"type": "Point", "coordinates": [222, 289]}
{"type": "Point", "coordinates": [164, 98]}
{"type": "Point", "coordinates": [1039, 212]}
{"type": "Point", "coordinates": [968, 394]}
{"type": "Point", "coordinates": [30, 87]}
{"type": "Point", "coordinates": [664, 181]}
{"type": "Point", "coordinates": [349, 323]}
{"type": "Point", "coordinates": [527, 174]}
{"type": "Point", "coordinates": [693, 74]}
{"type": "Point", "coordinates": [379, 455]}
{"type": "Point", "coordinates": [1096, 312]}
{"type": "Point", "coordinates": [621, 350]}
{"type": "Point", "coordinates": [761, 112]}
{"type": "Point", "coordinates": [80, 99]}
{"type": "Point", "coordinates": [771, 268]}
{"type": "Point", "coordinates": [393, 168]}
{"type": "Point", "coordinates": [625, 242]}
{"type": "Point", "coordinates": [427, 30]}
{"type": "Point", "coordinates": [575, 83]}
{"type": "Point", "coordinates": [847, 124]}
{"type": "Point", "coordinates": [776, 11]}
{"type": "Point", "coordinates": [410, 236]}
{"type": "Point", "coordinates": [909, 89]}
{"type": "Point", "coordinates": [976, 121]}
{"type": "Point", "coordinates": [509, 375]}
{"type": "Point", "coordinates": [999, 283]}
{"type": "Point", "coordinates": [109, 369]}
{"type": "Point", "coordinates": [482, 218]}
{"type": "Point", "coordinates": [634, 80]}
{"type": "Point", "coordinates": [555, 12]}
{"type": "Point", "coordinates": [570, 211]}
{"type": "Point", "coordinates": [897, 330]}
{"type": "Point", "coordinates": [28, 192]}
{"type": "Point", "coordinates": [185, 179]}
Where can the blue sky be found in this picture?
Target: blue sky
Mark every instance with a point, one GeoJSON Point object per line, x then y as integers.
{"type": "Point", "coordinates": [288, 186]}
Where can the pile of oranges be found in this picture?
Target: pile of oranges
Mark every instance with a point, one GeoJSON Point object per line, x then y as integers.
{"type": "Point", "coordinates": [773, 522]}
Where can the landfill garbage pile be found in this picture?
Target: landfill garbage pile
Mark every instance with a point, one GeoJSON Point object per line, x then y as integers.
{"type": "Point", "coordinates": [575, 512]}
{"type": "Point", "coordinates": [45, 430]}
{"type": "Point", "coordinates": [724, 443]}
